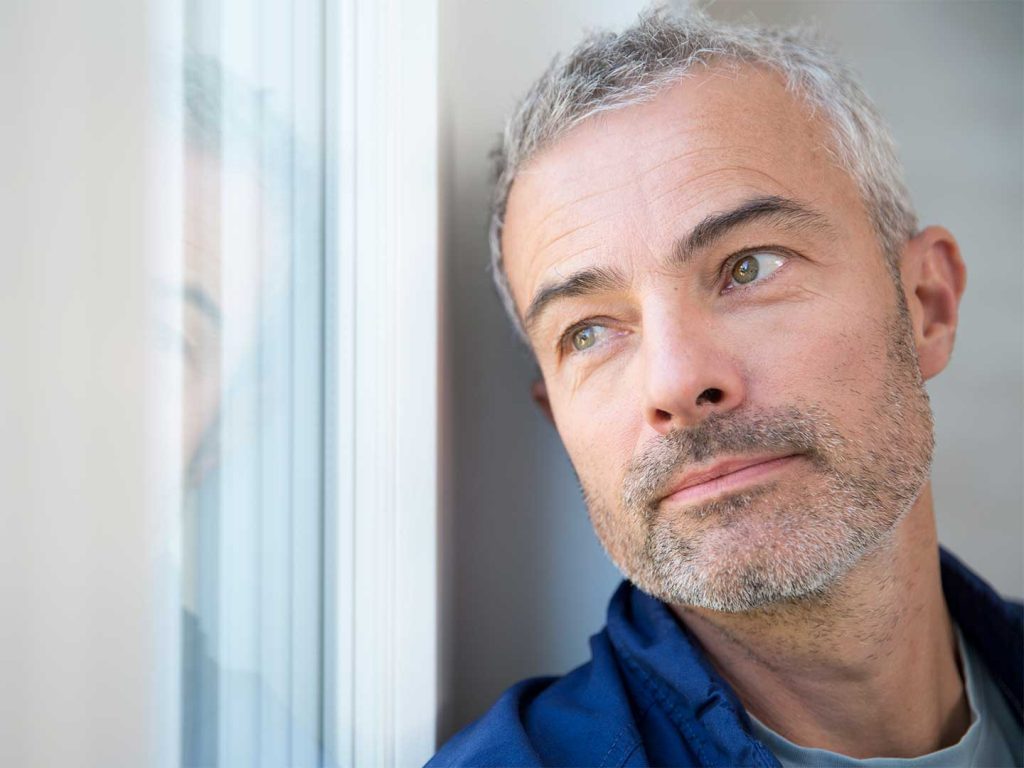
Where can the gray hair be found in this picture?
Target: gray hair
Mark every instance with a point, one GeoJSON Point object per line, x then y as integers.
{"type": "Point", "coordinates": [608, 71]}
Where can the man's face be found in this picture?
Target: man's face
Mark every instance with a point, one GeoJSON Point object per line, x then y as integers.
{"type": "Point", "coordinates": [726, 355]}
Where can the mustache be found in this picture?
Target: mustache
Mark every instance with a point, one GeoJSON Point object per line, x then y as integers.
{"type": "Point", "coordinates": [789, 429]}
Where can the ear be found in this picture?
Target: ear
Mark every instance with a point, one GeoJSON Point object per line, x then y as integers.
{"type": "Point", "coordinates": [934, 278]}
{"type": "Point", "coordinates": [539, 393]}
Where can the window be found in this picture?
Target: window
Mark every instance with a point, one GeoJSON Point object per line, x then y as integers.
{"type": "Point", "coordinates": [219, 399]}
{"type": "Point", "coordinates": [253, 523]}
{"type": "Point", "coordinates": [308, 624]}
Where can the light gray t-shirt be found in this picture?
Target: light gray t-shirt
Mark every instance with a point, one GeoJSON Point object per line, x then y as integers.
{"type": "Point", "coordinates": [993, 739]}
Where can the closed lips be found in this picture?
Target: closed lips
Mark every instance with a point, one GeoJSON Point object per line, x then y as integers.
{"type": "Point", "coordinates": [725, 474]}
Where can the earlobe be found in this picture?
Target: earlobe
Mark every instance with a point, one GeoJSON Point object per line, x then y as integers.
{"type": "Point", "coordinates": [539, 393]}
{"type": "Point", "coordinates": [934, 278]}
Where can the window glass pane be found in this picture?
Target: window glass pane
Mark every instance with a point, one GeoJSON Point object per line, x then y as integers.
{"type": "Point", "coordinates": [253, 390]}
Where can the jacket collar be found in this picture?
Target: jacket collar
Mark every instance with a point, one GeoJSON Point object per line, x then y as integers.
{"type": "Point", "coordinates": [666, 666]}
{"type": "Point", "coordinates": [991, 625]}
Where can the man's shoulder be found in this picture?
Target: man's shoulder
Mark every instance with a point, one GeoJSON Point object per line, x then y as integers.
{"type": "Point", "coordinates": [648, 692]}
{"type": "Point", "coordinates": [992, 624]}
{"type": "Point", "coordinates": [979, 609]}
{"type": "Point", "coordinates": [582, 718]}
{"type": "Point", "coordinates": [646, 695]}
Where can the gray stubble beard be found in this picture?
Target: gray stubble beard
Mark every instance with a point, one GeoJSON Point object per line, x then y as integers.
{"type": "Point", "coordinates": [778, 549]}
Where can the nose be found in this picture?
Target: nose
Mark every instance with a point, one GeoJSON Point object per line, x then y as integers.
{"type": "Point", "coordinates": [688, 375]}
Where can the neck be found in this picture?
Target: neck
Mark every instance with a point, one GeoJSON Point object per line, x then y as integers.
{"type": "Point", "coordinates": [867, 670]}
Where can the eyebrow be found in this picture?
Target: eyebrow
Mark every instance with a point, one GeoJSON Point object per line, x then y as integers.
{"type": "Point", "coordinates": [780, 211]}
{"type": "Point", "coordinates": [584, 282]}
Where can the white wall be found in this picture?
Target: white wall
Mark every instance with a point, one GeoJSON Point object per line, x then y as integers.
{"type": "Point", "coordinates": [90, 207]}
{"type": "Point", "coordinates": [524, 581]}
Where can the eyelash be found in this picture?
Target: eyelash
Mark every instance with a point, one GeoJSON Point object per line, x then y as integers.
{"type": "Point", "coordinates": [563, 345]}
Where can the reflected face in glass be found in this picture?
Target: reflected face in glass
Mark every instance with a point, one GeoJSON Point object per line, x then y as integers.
{"type": "Point", "coordinates": [220, 291]}
{"type": "Point", "coordinates": [726, 355]}
{"type": "Point", "coordinates": [201, 300]}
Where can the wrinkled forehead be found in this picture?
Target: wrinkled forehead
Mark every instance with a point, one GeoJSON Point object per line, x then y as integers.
{"type": "Point", "coordinates": [642, 174]}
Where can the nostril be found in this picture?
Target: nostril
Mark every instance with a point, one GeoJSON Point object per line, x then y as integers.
{"type": "Point", "coordinates": [712, 395]}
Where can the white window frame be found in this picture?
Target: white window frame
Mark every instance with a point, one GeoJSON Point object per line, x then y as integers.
{"type": "Point", "coordinates": [382, 346]}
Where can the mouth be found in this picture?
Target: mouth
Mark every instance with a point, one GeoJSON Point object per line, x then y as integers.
{"type": "Point", "coordinates": [727, 476]}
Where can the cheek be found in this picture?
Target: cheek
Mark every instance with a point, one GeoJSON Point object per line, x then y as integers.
{"type": "Point", "coordinates": [598, 430]}
{"type": "Point", "coordinates": [838, 361]}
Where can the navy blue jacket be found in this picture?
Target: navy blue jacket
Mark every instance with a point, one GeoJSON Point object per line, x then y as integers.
{"type": "Point", "coordinates": [649, 697]}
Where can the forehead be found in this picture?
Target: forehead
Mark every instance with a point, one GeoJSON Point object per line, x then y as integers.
{"type": "Point", "coordinates": [626, 183]}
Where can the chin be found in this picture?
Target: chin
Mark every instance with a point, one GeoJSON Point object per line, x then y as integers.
{"type": "Point", "coordinates": [757, 553]}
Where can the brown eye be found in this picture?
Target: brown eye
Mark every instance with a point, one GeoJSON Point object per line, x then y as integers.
{"type": "Point", "coordinates": [745, 270]}
{"type": "Point", "coordinates": [755, 267]}
{"type": "Point", "coordinates": [584, 338]}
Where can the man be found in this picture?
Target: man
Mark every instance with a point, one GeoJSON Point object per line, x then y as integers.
{"type": "Point", "coordinates": [703, 236]}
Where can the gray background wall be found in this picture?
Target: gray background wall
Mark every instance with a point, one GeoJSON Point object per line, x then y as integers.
{"type": "Point", "coordinates": [524, 581]}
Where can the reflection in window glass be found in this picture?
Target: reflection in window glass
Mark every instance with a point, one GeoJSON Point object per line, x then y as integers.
{"type": "Point", "coordinates": [253, 304]}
